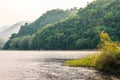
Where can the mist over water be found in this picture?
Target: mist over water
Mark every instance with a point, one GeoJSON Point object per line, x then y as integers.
{"type": "Point", "coordinates": [45, 65]}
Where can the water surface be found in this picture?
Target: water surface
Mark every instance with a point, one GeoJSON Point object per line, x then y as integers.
{"type": "Point", "coordinates": [45, 65]}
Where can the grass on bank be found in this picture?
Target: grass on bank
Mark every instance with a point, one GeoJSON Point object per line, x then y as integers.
{"type": "Point", "coordinates": [88, 61]}
{"type": "Point", "coordinates": [107, 60]}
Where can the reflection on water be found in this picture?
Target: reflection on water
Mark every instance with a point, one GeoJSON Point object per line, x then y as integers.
{"type": "Point", "coordinates": [45, 65]}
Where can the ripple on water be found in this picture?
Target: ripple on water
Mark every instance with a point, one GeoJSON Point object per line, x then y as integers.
{"type": "Point", "coordinates": [45, 66]}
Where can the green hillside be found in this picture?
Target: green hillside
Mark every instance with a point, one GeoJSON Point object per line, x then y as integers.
{"type": "Point", "coordinates": [81, 32]}
{"type": "Point", "coordinates": [16, 41]}
{"type": "Point", "coordinates": [47, 18]}
{"type": "Point", "coordinates": [78, 32]}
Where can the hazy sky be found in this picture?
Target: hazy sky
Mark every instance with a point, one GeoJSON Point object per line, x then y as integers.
{"type": "Point", "coordinates": [12, 11]}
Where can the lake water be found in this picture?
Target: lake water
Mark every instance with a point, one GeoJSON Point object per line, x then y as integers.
{"type": "Point", "coordinates": [46, 65]}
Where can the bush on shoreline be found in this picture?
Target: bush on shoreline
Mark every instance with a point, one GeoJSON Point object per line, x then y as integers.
{"type": "Point", "coordinates": [107, 60]}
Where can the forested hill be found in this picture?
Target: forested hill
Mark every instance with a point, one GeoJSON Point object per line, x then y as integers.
{"type": "Point", "coordinates": [47, 18]}
{"type": "Point", "coordinates": [25, 33]}
{"type": "Point", "coordinates": [75, 33]}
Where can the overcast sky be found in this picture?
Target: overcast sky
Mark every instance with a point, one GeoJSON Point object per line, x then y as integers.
{"type": "Point", "coordinates": [13, 11]}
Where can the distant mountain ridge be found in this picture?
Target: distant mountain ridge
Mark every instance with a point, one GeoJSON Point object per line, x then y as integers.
{"type": "Point", "coordinates": [4, 28]}
{"type": "Point", "coordinates": [6, 32]}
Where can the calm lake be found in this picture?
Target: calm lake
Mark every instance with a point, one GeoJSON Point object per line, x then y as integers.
{"type": "Point", "coordinates": [46, 65]}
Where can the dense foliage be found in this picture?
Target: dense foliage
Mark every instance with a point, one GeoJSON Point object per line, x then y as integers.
{"type": "Point", "coordinates": [79, 31]}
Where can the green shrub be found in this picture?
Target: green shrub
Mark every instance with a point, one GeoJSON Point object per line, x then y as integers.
{"type": "Point", "coordinates": [109, 57]}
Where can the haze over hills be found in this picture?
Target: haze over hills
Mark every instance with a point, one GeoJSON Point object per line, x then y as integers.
{"type": "Point", "coordinates": [5, 32]}
{"type": "Point", "coordinates": [4, 28]}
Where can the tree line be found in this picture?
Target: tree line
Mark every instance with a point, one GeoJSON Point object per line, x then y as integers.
{"type": "Point", "coordinates": [73, 32]}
